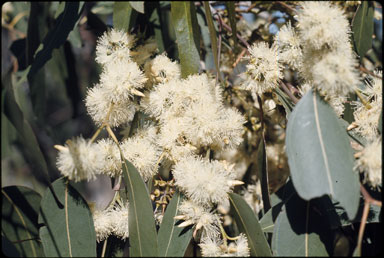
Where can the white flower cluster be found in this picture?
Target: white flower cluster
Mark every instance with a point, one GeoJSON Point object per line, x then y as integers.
{"type": "Point", "coordinates": [112, 221]}
{"type": "Point", "coordinates": [216, 247]}
{"type": "Point", "coordinates": [328, 60]}
{"type": "Point", "coordinates": [264, 69]}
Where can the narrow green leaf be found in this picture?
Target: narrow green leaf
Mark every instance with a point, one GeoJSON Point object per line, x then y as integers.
{"type": "Point", "coordinates": [212, 33]}
{"type": "Point", "coordinates": [68, 229]}
{"type": "Point", "coordinates": [285, 101]}
{"type": "Point", "coordinates": [187, 34]}
{"type": "Point", "coordinates": [57, 36]}
{"type": "Point", "coordinates": [267, 222]}
{"type": "Point", "coordinates": [137, 5]}
{"type": "Point", "coordinates": [362, 28]}
{"type": "Point", "coordinates": [142, 231]}
{"type": "Point", "coordinates": [20, 207]}
{"type": "Point", "coordinates": [301, 229]}
{"type": "Point", "coordinates": [173, 241]}
{"type": "Point", "coordinates": [158, 25]}
{"type": "Point", "coordinates": [232, 20]}
{"type": "Point", "coordinates": [25, 133]}
{"type": "Point", "coordinates": [263, 174]}
{"type": "Point", "coordinates": [319, 154]}
{"type": "Point", "coordinates": [124, 16]}
{"type": "Point", "coordinates": [249, 225]}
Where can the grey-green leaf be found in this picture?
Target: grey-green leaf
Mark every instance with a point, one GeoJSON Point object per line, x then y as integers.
{"type": "Point", "coordinates": [212, 33]}
{"type": "Point", "coordinates": [20, 207]}
{"type": "Point", "coordinates": [249, 225]}
{"type": "Point", "coordinates": [187, 35]}
{"type": "Point", "coordinates": [362, 27]}
{"type": "Point", "coordinates": [319, 154]}
{"type": "Point", "coordinates": [380, 124]}
{"type": "Point", "coordinates": [300, 230]}
{"type": "Point", "coordinates": [124, 16]}
{"type": "Point", "coordinates": [68, 229]}
{"type": "Point", "coordinates": [142, 231]}
{"type": "Point", "coordinates": [137, 5]}
{"type": "Point", "coordinates": [173, 241]}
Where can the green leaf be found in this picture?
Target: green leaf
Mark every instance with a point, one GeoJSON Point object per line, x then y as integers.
{"type": "Point", "coordinates": [137, 5]}
{"type": "Point", "coordinates": [20, 207]}
{"type": "Point", "coordinates": [263, 174]}
{"type": "Point", "coordinates": [187, 34]}
{"type": "Point", "coordinates": [8, 248]}
{"type": "Point", "coordinates": [158, 25]}
{"type": "Point", "coordinates": [25, 132]}
{"type": "Point", "coordinates": [124, 17]}
{"type": "Point", "coordinates": [232, 20]}
{"type": "Point", "coordinates": [173, 241]}
{"type": "Point", "coordinates": [301, 229]}
{"type": "Point", "coordinates": [58, 35]}
{"type": "Point", "coordinates": [68, 229]}
{"type": "Point", "coordinates": [362, 28]}
{"type": "Point", "coordinates": [267, 222]}
{"type": "Point", "coordinates": [319, 154]}
{"type": "Point", "coordinates": [212, 33]}
{"type": "Point", "coordinates": [142, 231]}
{"type": "Point", "coordinates": [352, 134]}
{"type": "Point", "coordinates": [380, 124]}
{"type": "Point", "coordinates": [248, 224]}
{"type": "Point", "coordinates": [285, 101]}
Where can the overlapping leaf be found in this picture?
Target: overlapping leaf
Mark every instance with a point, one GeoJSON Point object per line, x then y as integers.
{"type": "Point", "coordinates": [142, 231]}
{"type": "Point", "coordinates": [187, 35]}
{"type": "Point", "coordinates": [68, 229]}
{"type": "Point", "coordinates": [173, 241]}
{"type": "Point", "coordinates": [319, 154]}
{"type": "Point", "coordinates": [249, 225]}
{"type": "Point", "coordinates": [20, 207]}
{"type": "Point", "coordinates": [362, 27]}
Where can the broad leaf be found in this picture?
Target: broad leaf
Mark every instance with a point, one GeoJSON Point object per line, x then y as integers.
{"type": "Point", "coordinates": [173, 241]}
{"type": "Point", "coordinates": [267, 222]}
{"type": "Point", "coordinates": [20, 207]}
{"type": "Point", "coordinates": [124, 16]}
{"type": "Point", "coordinates": [137, 5]}
{"type": "Point", "coordinates": [187, 34]}
{"type": "Point", "coordinates": [302, 229]}
{"type": "Point", "coordinates": [319, 154]}
{"type": "Point", "coordinates": [362, 27]}
{"type": "Point", "coordinates": [249, 225]}
{"type": "Point", "coordinates": [142, 231]}
{"type": "Point", "coordinates": [68, 229]}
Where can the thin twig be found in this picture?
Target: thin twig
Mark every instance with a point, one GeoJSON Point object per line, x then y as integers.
{"type": "Point", "coordinates": [219, 48]}
{"type": "Point", "coordinates": [288, 92]}
{"type": "Point", "coordinates": [228, 28]}
{"type": "Point", "coordinates": [104, 247]}
{"type": "Point", "coordinates": [287, 6]}
{"type": "Point", "coordinates": [239, 57]}
{"type": "Point", "coordinates": [365, 70]}
{"type": "Point", "coordinates": [368, 197]}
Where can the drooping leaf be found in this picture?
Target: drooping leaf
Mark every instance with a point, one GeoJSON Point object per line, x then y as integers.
{"type": "Point", "coordinates": [232, 20]}
{"type": "Point", "coordinates": [124, 16]}
{"type": "Point", "coordinates": [263, 174]}
{"type": "Point", "coordinates": [285, 101]}
{"type": "Point", "coordinates": [173, 241]}
{"type": "Point", "coordinates": [68, 229]}
{"type": "Point", "coordinates": [362, 28]}
{"type": "Point", "coordinates": [25, 133]}
{"type": "Point", "coordinates": [301, 229]}
{"type": "Point", "coordinates": [20, 207]}
{"type": "Point", "coordinates": [187, 35]}
{"type": "Point", "coordinates": [319, 154]}
{"type": "Point", "coordinates": [58, 35]}
{"type": "Point", "coordinates": [248, 224]}
{"type": "Point", "coordinates": [212, 33]}
{"type": "Point", "coordinates": [137, 5]}
{"type": "Point", "coordinates": [142, 231]}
